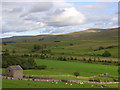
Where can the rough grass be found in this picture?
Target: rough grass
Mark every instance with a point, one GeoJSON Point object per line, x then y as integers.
{"type": "Point", "coordinates": [83, 43]}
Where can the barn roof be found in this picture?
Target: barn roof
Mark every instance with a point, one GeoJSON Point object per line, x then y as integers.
{"type": "Point", "coordinates": [15, 67]}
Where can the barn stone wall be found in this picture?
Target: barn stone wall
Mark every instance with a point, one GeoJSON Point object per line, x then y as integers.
{"type": "Point", "coordinates": [18, 74]}
{"type": "Point", "coordinates": [9, 72]}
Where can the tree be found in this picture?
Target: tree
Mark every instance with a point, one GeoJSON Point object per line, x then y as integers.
{"type": "Point", "coordinates": [71, 58]}
{"type": "Point", "coordinates": [76, 74]}
{"type": "Point", "coordinates": [75, 58]}
{"type": "Point", "coordinates": [94, 59]}
{"type": "Point", "coordinates": [118, 71]}
{"type": "Point", "coordinates": [64, 59]}
{"type": "Point", "coordinates": [4, 43]}
{"type": "Point", "coordinates": [25, 63]}
{"type": "Point", "coordinates": [13, 51]}
{"type": "Point", "coordinates": [41, 67]}
{"type": "Point", "coordinates": [6, 52]}
{"type": "Point", "coordinates": [37, 47]}
{"type": "Point", "coordinates": [106, 54]}
{"type": "Point", "coordinates": [89, 60]}
{"type": "Point", "coordinates": [84, 59]}
{"type": "Point", "coordinates": [101, 47]}
{"type": "Point", "coordinates": [71, 44]}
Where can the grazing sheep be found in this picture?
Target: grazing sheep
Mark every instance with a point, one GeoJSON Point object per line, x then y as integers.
{"type": "Point", "coordinates": [92, 85]}
{"type": "Point", "coordinates": [66, 83]}
{"type": "Point", "coordinates": [81, 83]}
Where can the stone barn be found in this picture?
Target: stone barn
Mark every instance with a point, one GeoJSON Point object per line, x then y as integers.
{"type": "Point", "coordinates": [15, 72]}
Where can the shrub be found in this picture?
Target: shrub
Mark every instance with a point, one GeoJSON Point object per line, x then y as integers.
{"type": "Point", "coordinates": [84, 59]}
{"type": "Point", "coordinates": [13, 51]}
{"type": "Point", "coordinates": [41, 67]}
{"type": "Point", "coordinates": [71, 44]}
{"type": "Point", "coordinates": [56, 41]}
{"type": "Point", "coordinates": [25, 63]}
{"type": "Point", "coordinates": [115, 79]}
{"type": "Point", "coordinates": [75, 58]}
{"type": "Point", "coordinates": [72, 58]}
{"type": "Point", "coordinates": [4, 43]}
{"type": "Point", "coordinates": [119, 71]}
{"type": "Point", "coordinates": [106, 54]}
{"type": "Point", "coordinates": [89, 60]}
{"type": "Point", "coordinates": [91, 79]}
{"type": "Point", "coordinates": [97, 80]}
{"type": "Point", "coordinates": [76, 74]}
{"type": "Point", "coordinates": [101, 47]}
{"type": "Point", "coordinates": [6, 52]}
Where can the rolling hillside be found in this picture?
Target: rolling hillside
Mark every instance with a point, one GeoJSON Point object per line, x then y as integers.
{"type": "Point", "coordinates": [78, 44]}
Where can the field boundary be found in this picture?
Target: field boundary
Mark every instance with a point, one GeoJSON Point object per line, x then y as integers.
{"type": "Point", "coordinates": [56, 80]}
{"type": "Point", "coordinates": [27, 76]}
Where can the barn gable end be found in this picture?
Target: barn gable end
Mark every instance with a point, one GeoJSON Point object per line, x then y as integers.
{"type": "Point", "coordinates": [15, 72]}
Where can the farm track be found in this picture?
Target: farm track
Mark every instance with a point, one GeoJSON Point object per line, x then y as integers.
{"type": "Point", "coordinates": [68, 76]}
{"type": "Point", "coordinates": [60, 75]}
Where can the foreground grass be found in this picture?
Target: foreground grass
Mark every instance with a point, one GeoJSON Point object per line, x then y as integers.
{"type": "Point", "coordinates": [65, 78]}
{"type": "Point", "coordinates": [39, 84]}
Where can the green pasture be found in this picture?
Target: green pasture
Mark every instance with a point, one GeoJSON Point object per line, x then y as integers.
{"type": "Point", "coordinates": [68, 68]}
{"type": "Point", "coordinates": [79, 48]}
{"type": "Point", "coordinates": [85, 69]}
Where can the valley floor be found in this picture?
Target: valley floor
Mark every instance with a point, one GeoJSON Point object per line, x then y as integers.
{"type": "Point", "coordinates": [58, 68]}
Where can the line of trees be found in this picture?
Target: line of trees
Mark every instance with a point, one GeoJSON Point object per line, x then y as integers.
{"type": "Point", "coordinates": [104, 62]}
{"type": "Point", "coordinates": [25, 63]}
{"type": "Point", "coordinates": [108, 47]}
{"type": "Point", "coordinates": [63, 58]}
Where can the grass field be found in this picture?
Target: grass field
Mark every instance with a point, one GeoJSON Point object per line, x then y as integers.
{"type": "Point", "coordinates": [39, 84]}
{"type": "Point", "coordinates": [79, 48]}
{"type": "Point", "coordinates": [65, 68]}
{"type": "Point", "coordinates": [68, 68]}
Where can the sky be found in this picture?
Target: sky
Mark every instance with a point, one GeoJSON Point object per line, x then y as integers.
{"type": "Point", "coordinates": [36, 18]}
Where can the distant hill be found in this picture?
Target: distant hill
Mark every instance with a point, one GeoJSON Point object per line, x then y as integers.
{"type": "Point", "coordinates": [90, 34]}
{"type": "Point", "coordinates": [15, 37]}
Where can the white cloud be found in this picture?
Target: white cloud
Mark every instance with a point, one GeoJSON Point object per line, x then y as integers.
{"type": "Point", "coordinates": [9, 34]}
{"type": "Point", "coordinates": [13, 20]}
{"type": "Point", "coordinates": [58, 17]}
{"type": "Point", "coordinates": [115, 18]}
{"type": "Point", "coordinates": [65, 17]}
{"type": "Point", "coordinates": [21, 25]}
{"type": "Point", "coordinates": [0, 18]}
{"type": "Point", "coordinates": [101, 15]}
{"type": "Point", "coordinates": [60, 0]}
{"type": "Point", "coordinates": [42, 6]}
{"type": "Point", "coordinates": [61, 3]}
